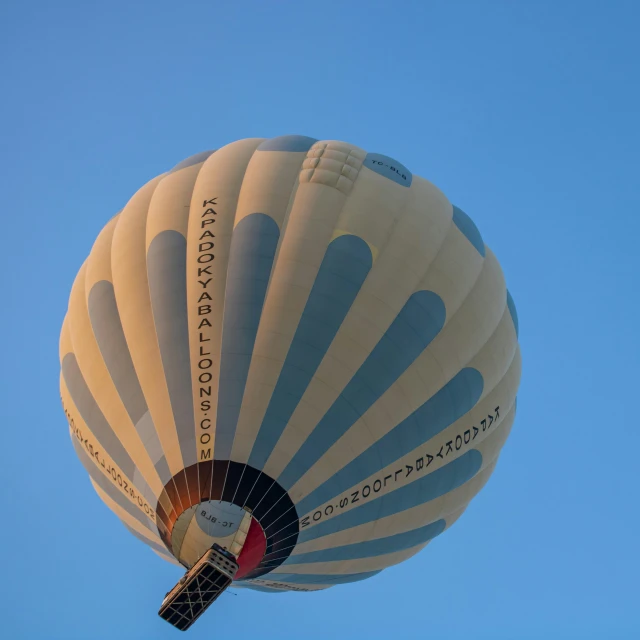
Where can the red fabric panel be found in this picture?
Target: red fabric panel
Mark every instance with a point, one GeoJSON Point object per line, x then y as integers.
{"type": "Point", "coordinates": [253, 550]}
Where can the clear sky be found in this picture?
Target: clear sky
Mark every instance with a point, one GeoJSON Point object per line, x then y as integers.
{"type": "Point", "coordinates": [525, 113]}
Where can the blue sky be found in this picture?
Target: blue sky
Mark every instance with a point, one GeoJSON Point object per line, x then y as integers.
{"type": "Point", "coordinates": [524, 113]}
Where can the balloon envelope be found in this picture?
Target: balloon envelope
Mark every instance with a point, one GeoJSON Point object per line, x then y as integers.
{"type": "Point", "coordinates": [293, 348]}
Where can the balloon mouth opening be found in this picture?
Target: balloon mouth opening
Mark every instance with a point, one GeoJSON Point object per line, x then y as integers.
{"type": "Point", "coordinates": [231, 504]}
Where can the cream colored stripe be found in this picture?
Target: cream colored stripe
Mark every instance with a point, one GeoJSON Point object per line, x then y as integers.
{"type": "Point", "coordinates": [99, 261]}
{"type": "Point", "coordinates": [211, 220]}
{"type": "Point", "coordinates": [469, 328]}
{"type": "Point", "coordinates": [131, 285]}
{"type": "Point", "coordinates": [269, 181]}
{"type": "Point", "coordinates": [64, 344]}
{"type": "Point", "coordinates": [454, 272]}
{"type": "Point", "coordinates": [170, 203]}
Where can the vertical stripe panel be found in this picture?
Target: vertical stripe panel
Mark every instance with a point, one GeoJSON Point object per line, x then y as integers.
{"type": "Point", "coordinates": [253, 247]}
{"type": "Point", "coordinates": [166, 266]}
{"type": "Point", "coordinates": [211, 220]}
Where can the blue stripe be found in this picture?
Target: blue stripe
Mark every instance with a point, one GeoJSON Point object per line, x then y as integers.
{"type": "Point", "coordinates": [288, 143]}
{"type": "Point", "coordinates": [469, 229]}
{"type": "Point", "coordinates": [344, 268]}
{"type": "Point", "coordinates": [427, 488]}
{"type": "Point", "coordinates": [314, 578]}
{"type": "Point", "coordinates": [167, 271]}
{"type": "Point", "coordinates": [417, 324]}
{"type": "Point", "coordinates": [195, 159]}
{"type": "Point", "coordinates": [372, 548]}
{"type": "Point", "coordinates": [108, 487]}
{"type": "Point", "coordinates": [512, 310]}
{"type": "Point", "coordinates": [253, 248]}
{"type": "Point", "coordinates": [455, 399]}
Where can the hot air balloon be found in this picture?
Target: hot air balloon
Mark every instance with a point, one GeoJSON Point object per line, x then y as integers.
{"type": "Point", "coordinates": [295, 353]}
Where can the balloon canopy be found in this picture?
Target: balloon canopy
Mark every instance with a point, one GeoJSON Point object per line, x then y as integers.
{"type": "Point", "coordinates": [295, 349]}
